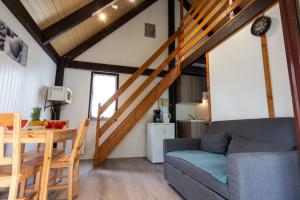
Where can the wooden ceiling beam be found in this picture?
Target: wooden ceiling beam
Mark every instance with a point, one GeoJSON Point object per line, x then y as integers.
{"type": "Point", "coordinates": [72, 20]}
{"type": "Point", "coordinates": [193, 71]}
{"type": "Point", "coordinates": [108, 30]}
{"type": "Point", "coordinates": [108, 68]}
{"type": "Point", "coordinates": [20, 12]}
{"type": "Point", "coordinates": [239, 21]}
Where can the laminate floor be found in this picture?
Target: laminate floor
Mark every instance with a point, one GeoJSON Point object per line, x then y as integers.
{"type": "Point", "coordinates": [122, 179]}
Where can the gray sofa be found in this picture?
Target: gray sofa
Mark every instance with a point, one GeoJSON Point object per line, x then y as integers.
{"type": "Point", "coordinates": [272, 173]}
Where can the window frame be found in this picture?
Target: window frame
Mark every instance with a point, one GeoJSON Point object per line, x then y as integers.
{"type": "Point", "coordinates": [91, 92]}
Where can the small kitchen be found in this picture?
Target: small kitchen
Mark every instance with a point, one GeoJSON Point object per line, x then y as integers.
{"type": "Point", "coordinates": [192, 115]}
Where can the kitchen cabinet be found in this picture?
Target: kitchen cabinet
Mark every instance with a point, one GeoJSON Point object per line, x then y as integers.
{"type": "Point", "coordinates": [191, 128]}
{"type": "Point", "coordinates": [156, 134]}
{"type": "Point", "coordinates": [189, 89]}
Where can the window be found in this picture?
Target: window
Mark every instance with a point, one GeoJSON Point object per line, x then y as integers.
{"type": "Point", "coordinates": [103, 86]}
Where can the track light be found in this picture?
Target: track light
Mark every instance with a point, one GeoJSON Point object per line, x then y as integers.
{"type": "Point", "coordinates": [102, 16]}
{"type": "Point", "coordinates": [115, 6]}
{"type": "Point", "coordinates": [99, 12]}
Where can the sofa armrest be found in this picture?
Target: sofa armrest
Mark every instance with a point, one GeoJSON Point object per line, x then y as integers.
{"type": "Point", "coordinates": [181, 144]}
{"type": "Point", "coordinates": [266, 176]}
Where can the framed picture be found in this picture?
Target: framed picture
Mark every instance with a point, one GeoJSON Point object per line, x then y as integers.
{"type": "Point", "coordinates": [150, 30]}
{"type": "Point", "coordinates": [12, 45]}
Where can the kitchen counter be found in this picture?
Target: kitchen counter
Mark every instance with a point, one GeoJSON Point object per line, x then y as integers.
{"type": "Point", "coordinates": [194, 120]}
{"type": "Point", "coordinates": [191, 128]}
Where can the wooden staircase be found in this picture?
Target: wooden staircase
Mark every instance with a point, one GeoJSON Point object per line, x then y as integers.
{"type": "Point", "coordinates": [209, 14]}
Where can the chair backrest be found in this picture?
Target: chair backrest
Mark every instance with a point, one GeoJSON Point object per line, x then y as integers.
{"type": "Point", "coordinates": [81, 133]}
{"type": "Point", "coordinates": [12, 120]}
{"type": "Point", "coordinates": [14, 160]}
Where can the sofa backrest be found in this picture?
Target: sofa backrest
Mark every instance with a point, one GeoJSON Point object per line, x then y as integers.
{"type": "Point", "coordinates": [276, 131]}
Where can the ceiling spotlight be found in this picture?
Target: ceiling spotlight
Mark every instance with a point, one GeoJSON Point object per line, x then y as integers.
{"type": "Point", "coordinates": [115, 6]}
{"type": "Point", "coordinates": [131, 1]}
{"type": "Point", "coordinates": [102, 16]}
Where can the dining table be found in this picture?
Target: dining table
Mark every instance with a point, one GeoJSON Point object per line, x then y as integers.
{"type": "Point", "coordinates": [47, 137]}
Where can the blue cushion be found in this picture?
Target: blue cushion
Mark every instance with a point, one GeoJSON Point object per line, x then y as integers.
{"type": "Point", "coordinates": [213, 164]}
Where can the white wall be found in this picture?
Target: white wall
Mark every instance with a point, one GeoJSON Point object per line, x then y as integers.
{"type": "Point", "coordinates": [237, 77]}
{"type": "Point", "coordinates": [126, 46]}
{"type": "Point", "coordinates": [22, 88]}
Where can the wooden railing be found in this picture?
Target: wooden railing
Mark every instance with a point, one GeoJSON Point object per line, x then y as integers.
{"type": "Point", "coordinates": [203, 17]}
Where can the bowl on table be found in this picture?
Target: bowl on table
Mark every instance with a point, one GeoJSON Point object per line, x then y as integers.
{"type": "Point", "coordinates": [56, 124]}
{"type": "Point", "coordinates": [23, 124]}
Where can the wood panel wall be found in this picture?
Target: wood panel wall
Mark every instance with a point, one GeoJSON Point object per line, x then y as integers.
{"type": "Point", "coordinates": [12, 88]}
{"type": "Point", "coordinates": [22, 88]}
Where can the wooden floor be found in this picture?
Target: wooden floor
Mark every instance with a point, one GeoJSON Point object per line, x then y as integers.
{"type": "Point", "coordinates": [122, 179]}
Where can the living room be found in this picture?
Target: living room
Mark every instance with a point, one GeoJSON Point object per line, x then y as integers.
{"type": "Point", "coordinates": [177, 99]}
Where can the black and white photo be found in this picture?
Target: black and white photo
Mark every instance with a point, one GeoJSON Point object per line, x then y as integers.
{"type": "Point", "coordinates": [12, 45]}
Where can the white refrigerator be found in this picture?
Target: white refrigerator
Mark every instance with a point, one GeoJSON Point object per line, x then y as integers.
{"type": "Point", "coordinates": [156, 133]}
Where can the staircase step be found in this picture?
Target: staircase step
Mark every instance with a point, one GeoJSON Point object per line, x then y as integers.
{"type": "Point", "coordinates": [124, 128]}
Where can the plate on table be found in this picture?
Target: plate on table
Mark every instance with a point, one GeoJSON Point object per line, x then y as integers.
{"type": "Point", "coordinates": [35, 127]}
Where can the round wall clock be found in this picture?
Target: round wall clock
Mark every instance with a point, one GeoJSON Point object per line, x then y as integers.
{"type": "Point", "coordinates": [261, 25]}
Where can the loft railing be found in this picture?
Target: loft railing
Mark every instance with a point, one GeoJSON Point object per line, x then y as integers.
{"type": "Point", "coordinates": [204, 16]}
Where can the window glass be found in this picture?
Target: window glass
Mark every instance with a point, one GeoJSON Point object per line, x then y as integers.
{"type": "Point", "coordinates": [103, 87]}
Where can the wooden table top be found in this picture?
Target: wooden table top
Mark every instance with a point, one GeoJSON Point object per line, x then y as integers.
{"type": "Point", "coordinates": [39, 135]}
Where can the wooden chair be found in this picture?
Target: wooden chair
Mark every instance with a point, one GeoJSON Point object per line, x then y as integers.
{"type": "Point", "coordinates": [12, 170]}
{"type": "Point", "coordinates": [37, 157]}
{"type": "Point", "coordinates": [71, 162]}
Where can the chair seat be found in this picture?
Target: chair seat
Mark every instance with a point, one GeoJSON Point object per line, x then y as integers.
{"type": "Point", "coordinates": [40, 155]}
{"type": "Point", "coordinates": [60, 161]}
{"type": "Point", "coordinates": [27, 170]}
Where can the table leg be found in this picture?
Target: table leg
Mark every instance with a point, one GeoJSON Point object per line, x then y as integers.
{"type": "Point", "coordinates": [46, 166]}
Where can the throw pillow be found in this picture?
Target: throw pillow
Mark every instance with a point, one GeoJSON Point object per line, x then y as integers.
{"type": "Point", "coordinates": [244, 145]}
{"type": "Point", "coordinates": [215, 142]}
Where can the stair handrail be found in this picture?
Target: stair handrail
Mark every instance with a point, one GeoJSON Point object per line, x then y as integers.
{"type": "Point", "coordinates": [195, 13]}
{"type": "Point", "coordinates": [184, 45]}
{"type": "Point", "coordinates": [137, 93]}
{"type": "Point", "coordinates": [114, 138]}
{"type": "Point", "coordinates": [139, 72]}
{"type": "Point", "coordinates": [128, 102]}
{"type": "Point", "coordinates": [189, 17]}
{"type": "Point", "coordinates": [201, 14]}
{"type": "Point", "coordinates": [190, 11]}
{"type": "Point", "coordinates": [192, 41]}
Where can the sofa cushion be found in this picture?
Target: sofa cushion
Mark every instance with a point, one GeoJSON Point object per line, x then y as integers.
{"type": "Point", "coordinates": [215, 142]}
{"type": "Point", "coordinates": [198, 175]}
{"type": "Point", "coordinates": [275, 131]}
{"type": "Point", "coordinates": [244, 145]}
{"type": "Point", "coordinates": [214, 164]}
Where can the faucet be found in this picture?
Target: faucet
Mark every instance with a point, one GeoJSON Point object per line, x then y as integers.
{"type": "Point", "coordinates": [192, 117]}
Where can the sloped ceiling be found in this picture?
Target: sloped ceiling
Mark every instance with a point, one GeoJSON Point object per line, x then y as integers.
{"type": "Point", "coordinates": [47, 12]}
